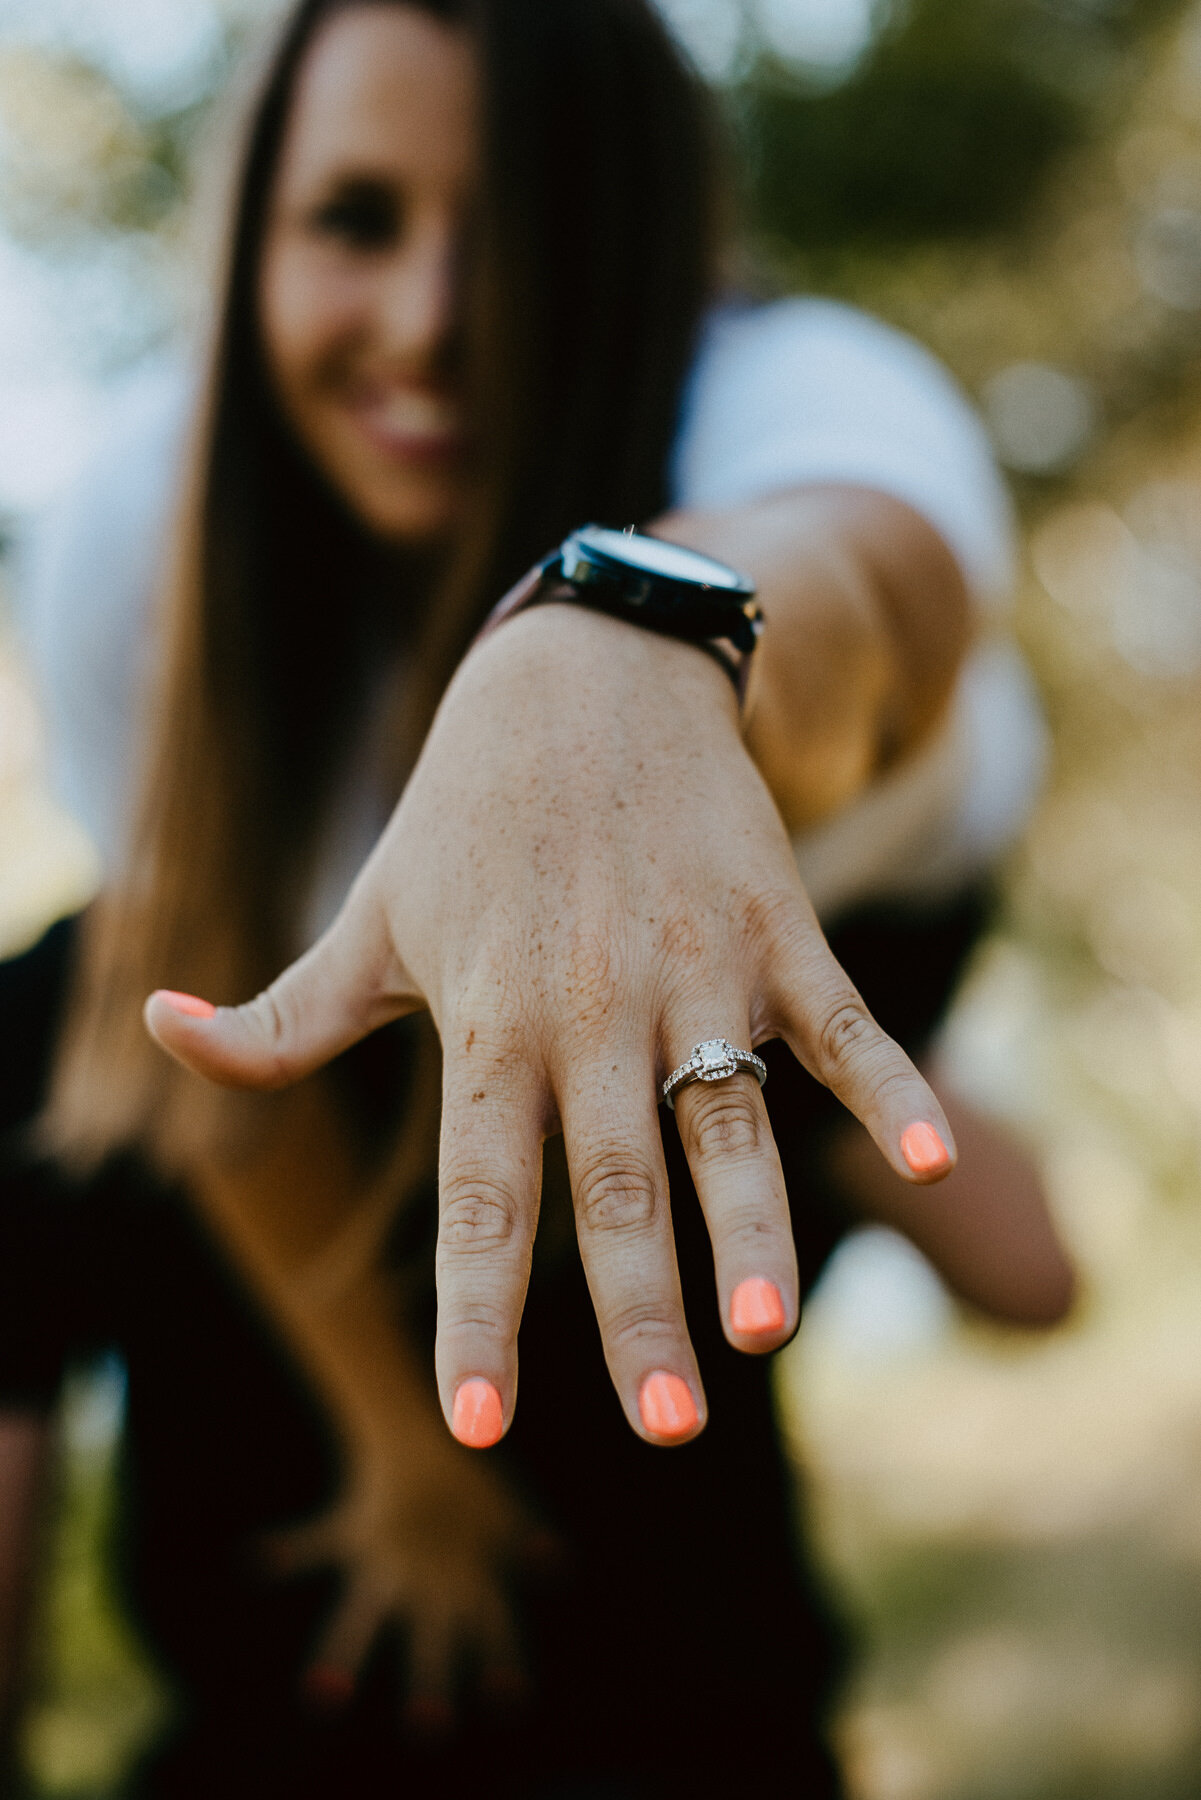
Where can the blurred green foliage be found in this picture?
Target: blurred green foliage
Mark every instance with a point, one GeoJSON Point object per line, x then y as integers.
{"type": "Point", "coordinates": [993, 175]}
{"type": "Point", "coordinates": [96, 1700]}
{"type": "Point", "coordinates": [945, 129]}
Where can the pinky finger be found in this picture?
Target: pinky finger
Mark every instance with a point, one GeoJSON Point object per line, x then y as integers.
{"type": "Point", "coordinates": [829, 1029]}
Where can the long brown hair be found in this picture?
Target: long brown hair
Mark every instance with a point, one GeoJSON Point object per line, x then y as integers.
{"type": "Point", "coordinates": [591, 263]}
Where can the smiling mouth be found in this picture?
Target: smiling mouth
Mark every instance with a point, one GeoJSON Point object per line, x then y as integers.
{"type": "Point", "coordinates": [410, 424]}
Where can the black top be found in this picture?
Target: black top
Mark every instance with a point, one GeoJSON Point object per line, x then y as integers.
{"type": "Point", "coordinates": [684, 1648]}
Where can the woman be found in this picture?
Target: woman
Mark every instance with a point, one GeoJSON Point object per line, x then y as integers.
{"type": "Point", "coordinates": [469, 305]}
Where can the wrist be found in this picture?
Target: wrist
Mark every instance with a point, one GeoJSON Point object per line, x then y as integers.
{"type": "Point", "coordinates": [560, 652]}
{"type": "Point", "coordinates": [652, 584]}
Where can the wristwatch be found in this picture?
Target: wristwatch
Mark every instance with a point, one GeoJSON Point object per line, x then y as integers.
{"type": "Point", "coordinates": [662, 587]}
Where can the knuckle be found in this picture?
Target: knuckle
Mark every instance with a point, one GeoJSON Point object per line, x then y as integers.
{"type": "Point", "coordinates": [637, 1323]}
{"type": "Point", "coordinates": [268, 1020]}
{"type": "Point", "coordinates": [475, 1320]}
{"type": "Point", "coordinates": [774, 920]}
{"type": "Point", "coordinates": [616, 1194]}
{"type": "Point", "coordinates": [725, 1120]}
{"type": "Point", "coordinates": [682, 938]}
{"type": "Point", "coordinates": [486, 1016]}
{"type": "Point", "coordinates": [484, 988]}
{"type": "Point", "coordinates": [846, 1033]}
{"type": "Point", "coordinates": [591, 983]}
{"type": "Point", "coordinates": [892, 1082]}
{"type": "Point", "coordinates": [759, 1227]}
{"type": "Point", "coordinates": [476, 1215]}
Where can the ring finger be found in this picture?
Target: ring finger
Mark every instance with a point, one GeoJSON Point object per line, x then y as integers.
{"type": "Point", "coordinates": [732, 1156]}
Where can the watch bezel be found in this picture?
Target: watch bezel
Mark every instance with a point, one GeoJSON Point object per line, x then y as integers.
{"type": "Point", "coordinates": [709, 601]}
{"type": "Point", "coordinates": [598, 549]}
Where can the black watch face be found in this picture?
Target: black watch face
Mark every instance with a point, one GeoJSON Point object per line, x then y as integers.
{"type": "Point", "coordinates": [598, 547]}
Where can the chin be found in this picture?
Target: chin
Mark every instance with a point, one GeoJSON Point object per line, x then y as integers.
{"type": "Point", "coordinates": [398, 503]}
{"type": "Point", "coordinates": [421, 513]}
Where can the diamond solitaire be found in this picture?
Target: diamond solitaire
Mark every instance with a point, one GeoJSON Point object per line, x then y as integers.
{"type": "Point", "coordinates": [713, 1060]}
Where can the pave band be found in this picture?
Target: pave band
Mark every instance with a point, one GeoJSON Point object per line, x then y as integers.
{"type": "Point", "coordinates": [714, 1060]}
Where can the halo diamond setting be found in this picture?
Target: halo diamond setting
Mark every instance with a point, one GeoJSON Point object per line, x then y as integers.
{"type": "Point", "coordinates": [713, 1060]}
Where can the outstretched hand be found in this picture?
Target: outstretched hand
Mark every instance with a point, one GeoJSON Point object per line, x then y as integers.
{"type": "Point", "coordinates": [585, 877]}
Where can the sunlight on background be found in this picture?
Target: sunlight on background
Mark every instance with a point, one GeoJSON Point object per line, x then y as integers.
{"type": "Point", "coordinates": [819, 34]}
{"type": "Point", "coordinates": [1015, 1523]}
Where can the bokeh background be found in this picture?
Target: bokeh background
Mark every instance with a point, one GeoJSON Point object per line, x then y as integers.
{"type": "Point", "coordinates": [1014, 1522]}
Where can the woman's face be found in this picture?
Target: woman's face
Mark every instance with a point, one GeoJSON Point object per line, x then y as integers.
{"type": "Point", "coordinates": [357, 288]}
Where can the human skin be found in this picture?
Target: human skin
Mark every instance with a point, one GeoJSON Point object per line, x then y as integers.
{"type": "Point", "coordinates": [421, 1530]}
{"type": "Point", "coordinates": [578, 903]}
{"type": "Point", "coordinates": [590, 868]}
{"type": "Point", "coordinates": [357, 286]}
{"type": "Point", "coordinates": [587, 873]}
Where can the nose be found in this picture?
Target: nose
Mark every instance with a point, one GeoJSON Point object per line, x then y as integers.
{"type": "Point", "coordinates": [417, 298]}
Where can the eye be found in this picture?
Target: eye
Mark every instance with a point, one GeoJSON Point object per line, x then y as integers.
{"type": "Point", "coordinates": [364, 215]}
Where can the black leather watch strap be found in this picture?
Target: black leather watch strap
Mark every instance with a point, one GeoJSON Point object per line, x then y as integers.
{"type": "Point", "coordinates": [546, 582]}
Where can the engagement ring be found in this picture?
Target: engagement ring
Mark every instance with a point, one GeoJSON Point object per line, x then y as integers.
{"type": "Point", "coordinates": [713, 1060]}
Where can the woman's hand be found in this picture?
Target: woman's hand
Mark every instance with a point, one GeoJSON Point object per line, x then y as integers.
{"type": "Point", "coordinates": [428, 1540]}
{"type": "Point", "coordinates": [420, 1544]}
{"type": "Point", "coordinates": [585, 877]}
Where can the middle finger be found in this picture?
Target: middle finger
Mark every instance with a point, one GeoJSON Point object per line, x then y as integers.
{"type": "Point", "coordinates": [623, 1219]}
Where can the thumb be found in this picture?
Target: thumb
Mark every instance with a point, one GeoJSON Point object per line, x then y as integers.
{"type": "Point", "coordinates": [349, 984]}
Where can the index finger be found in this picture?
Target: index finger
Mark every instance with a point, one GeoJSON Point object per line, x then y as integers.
{"type": "Point", "coordinates": [489, 1186]}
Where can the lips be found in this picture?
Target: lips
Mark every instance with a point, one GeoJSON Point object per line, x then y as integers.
{"type": "Point", "coordinates": [410, 424]}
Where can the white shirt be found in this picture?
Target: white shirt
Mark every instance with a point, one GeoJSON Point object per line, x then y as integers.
{"type": "Point", "coordinates": [801, 391]}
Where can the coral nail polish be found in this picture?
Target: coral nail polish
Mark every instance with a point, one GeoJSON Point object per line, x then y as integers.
{"type": "Point", "coordinates": [923, 1149]}
{"type": "Point", "coordinates": [756, 1306]}
{"type": "Point", "coordinates": [666, 1405]}
{"type": "Point", "coordinates": [478, 1418]}
{"type": "Point", "coordinates": [186, 1003]}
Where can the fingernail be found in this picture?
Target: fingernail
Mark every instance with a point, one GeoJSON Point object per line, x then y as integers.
{"type": "Point", "coordinates": [327, 1687]}
{"type": "Point", "coordinates": [666, 1405]}
{"type": "Point", "coordinates": [756, 1306]}
{"type": "Point", "coordinates": [923, 1149]}
{"type": "Point", "coordinates": [478, 1418]}
{"type": "Point", "coordinates": [186, 1003]}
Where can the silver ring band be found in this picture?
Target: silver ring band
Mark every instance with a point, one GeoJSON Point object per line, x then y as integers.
{"type": "Point", "coordinates": [714, 1060]}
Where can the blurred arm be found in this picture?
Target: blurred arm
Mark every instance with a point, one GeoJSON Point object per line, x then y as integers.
{"type": "Point", "coordinates": [868, 619]}
{"type": "Point", "coordinates": [421, 1527]}
{"type": "Point", "coordinates": [987, 1230]}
